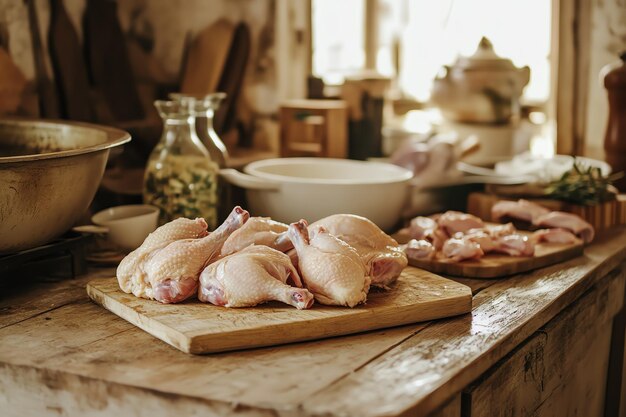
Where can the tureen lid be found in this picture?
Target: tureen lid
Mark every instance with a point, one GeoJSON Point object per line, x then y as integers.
{"type": "Point", "coordinates": [485, 58]}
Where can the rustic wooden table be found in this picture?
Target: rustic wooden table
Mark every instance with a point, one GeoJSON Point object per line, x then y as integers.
{"type": "Point", "coordinates": [543, 343]}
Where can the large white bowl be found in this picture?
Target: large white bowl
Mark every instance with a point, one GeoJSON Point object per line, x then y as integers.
{"type": "Point", "coordinates": [289, 189]}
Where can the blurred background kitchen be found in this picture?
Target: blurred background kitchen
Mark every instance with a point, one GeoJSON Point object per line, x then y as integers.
{"type": "Point", "coordinates": [424, 83]}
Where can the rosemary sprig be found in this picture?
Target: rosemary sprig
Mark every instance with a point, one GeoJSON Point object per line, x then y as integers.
{"type": "Point", "coordinates": [583, 185]}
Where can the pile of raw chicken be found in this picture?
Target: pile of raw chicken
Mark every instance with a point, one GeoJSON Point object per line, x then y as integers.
{"type": "Point", "coordinates": [454, 236]}
{"type": "Point", "coordinates": [250, 260]}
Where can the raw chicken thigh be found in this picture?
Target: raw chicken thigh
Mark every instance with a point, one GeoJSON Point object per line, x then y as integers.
{"type": "Point", "coordinates": [128, 274]}
{"type": "Point", "coordinates": [419, 249]}
{"type": "Point", "coordinates": [515, 245]}
{"type": "Point", "coordinates": [381, 254]}
{"type": "Point", "coordinates": [461, 249]}
{"type": "Point", "coordinates": [542, 217]}
{"type": "Point", "coordinates": [331, 269]}
{"type": "Point", "coordinates": [568, 221]}
{"type": "Point", "coordinates": [521, 210]}
{"type": "Point", "coordinates": [556, 235]}
{"type": "Point", "coordinates": [455, 221]}
{"type": "Point", "coordinates": [171, 272]}
{"type": "Point", "coordinates": [428, 229]}
{"type": "Point", "coordinates": [258, 231]}
{"type": "Point", "coordinates": [252, 276]}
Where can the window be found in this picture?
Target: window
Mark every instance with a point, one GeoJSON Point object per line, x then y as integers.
{"type": "Point", "coordinates": [413, 39]}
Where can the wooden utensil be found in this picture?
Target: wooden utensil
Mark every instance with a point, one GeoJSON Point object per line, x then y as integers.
{"type": "Point", "coordinates": [498, 265]}
{"type": "Point", "coordinates": [70, 72]}
{"type": "Point", "coordinates": [49, 106]}
{"type": "Point", "coordinates": [12, 84]}
{"type": "Point", "coordinates": [108, 60]}
{"type": "Point", "coordinates": [231, 79]}
{"type": "Point", "coordinates": [196, 327]}
{"type": "Point", "coordinates": [206, 56]}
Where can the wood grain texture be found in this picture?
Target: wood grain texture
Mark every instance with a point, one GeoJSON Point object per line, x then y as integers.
{"type": "Point", "coordinates": [430, 367]}
{"type": "Point", "coordinates": [82, 339]}
{"type": "Point", "coordinates": [451, 409]}
{"type": "Point", "coordinates": [196, 327]}
{"type": "Point", "coordinates": [412, 370]}
{"type": "Point", "coordinates": [495, 265]}
{"type": "Point", "coordinates": [564, 363]}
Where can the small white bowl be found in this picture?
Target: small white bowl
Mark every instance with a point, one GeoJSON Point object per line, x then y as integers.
{"type": "Point", "coordinates": [128, 226]}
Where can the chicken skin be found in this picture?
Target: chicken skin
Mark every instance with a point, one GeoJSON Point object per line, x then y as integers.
{"type": "Point", "coordinates": [331, 269]}
{"type": "Point", "coordinates": [129, 277]}
{"type": "Point", "coordinates": [556, 235]}
{"type": "Point", "coordinates": [567, 221]}
{"type": "Point", "coordinates": [171, 272]}
{"type": "Point", "coordinates": [258, 231]}
{"type": "Point", "coordinates": [381, 254]}
{"type": "Point", "coordinates": [419, 249]}
{"type": "Point", "coordinates": [252, 276]}
{"type": "Point", "coordinates": [455, 221]}
{"type": "Point", "coordinates": [521, 210]}
{"type": "Point", "coordinates": [458, 250]}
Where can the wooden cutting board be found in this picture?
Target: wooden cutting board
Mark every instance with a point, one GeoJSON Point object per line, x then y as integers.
{"type": "Point", "coordinates": [497, 265]}
{"type": "Point", "coordinates": [195, 327]}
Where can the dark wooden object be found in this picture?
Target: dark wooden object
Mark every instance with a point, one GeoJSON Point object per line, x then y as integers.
{"type": "Point", "coordinates": [109, 64]}
{"type": "Point", "coordinates": [615, 138]}
{"type": "Point", "coordinates": [48, 98]}
{"type": "Point", "coordinates": [231, 79]}
{"type": "Point", "coordinates": [70, 72]}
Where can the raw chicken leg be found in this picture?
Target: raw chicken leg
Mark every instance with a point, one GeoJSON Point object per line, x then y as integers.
{"type": "Point", "coordinates": [252, 276]}
{"type": "Point", "coordinates": [383, 257]}
{"type": "Point", "coordinates": [173, 271]}
{"type": "Point", "coordinates": [258, 231]}
{"type": "Point", "coordinates": [331, 269]}
{"type": "Point", "coordinates": [127, 276]}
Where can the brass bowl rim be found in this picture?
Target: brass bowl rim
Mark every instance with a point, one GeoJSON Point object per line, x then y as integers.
{"type": "Point", "coordinates": [115, 137]}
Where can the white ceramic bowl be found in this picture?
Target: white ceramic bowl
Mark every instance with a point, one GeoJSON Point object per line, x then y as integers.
{"type": "Point", "coordinates": [129, 225]}
{"type": "Point", "coordinates": [289, 189]}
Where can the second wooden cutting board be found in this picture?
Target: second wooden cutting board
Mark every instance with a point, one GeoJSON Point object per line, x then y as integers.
{"type": "Point", "coordinates": [194, 327]}
{"type": "Point", "coordinates": [495, 265]}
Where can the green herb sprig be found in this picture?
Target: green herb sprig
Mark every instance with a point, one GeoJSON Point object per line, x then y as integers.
{"type": "Point", "coordinates": [583, 185]}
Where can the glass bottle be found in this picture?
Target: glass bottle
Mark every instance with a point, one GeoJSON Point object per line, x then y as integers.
{"type": "Point", "coordinates": [203, 109]}
{"type": "Point", "coordinates": [181, 177]}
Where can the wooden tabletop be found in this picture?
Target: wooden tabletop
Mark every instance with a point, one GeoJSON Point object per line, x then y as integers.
{"type": "Point", "coordinates": [59, 352]}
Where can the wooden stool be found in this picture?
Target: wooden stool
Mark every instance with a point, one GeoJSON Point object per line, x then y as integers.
{"type": "Point", "coordinates": [314, 128]}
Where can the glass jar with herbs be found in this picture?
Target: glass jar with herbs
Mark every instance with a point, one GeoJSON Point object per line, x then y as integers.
{"type": "Point", "coordinates": [181, 177]}
{"type": "Point", "coordinates": [204, 108]}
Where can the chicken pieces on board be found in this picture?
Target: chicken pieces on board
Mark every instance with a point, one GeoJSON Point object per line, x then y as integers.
{"type": "Point", "coordinates": [258, 231]}
{"type": "Point", "coordinates": [170, 273]}
{"type": "Point", "coordinates": [331, 269]}
{"type": "Point", "coordinates": [381, 254]}
{"type": "Point", "coordinates": [252, 276]}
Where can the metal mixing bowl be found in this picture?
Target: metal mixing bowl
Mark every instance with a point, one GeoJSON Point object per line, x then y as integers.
{"type": "Point", "coordinates": [49, 173]}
